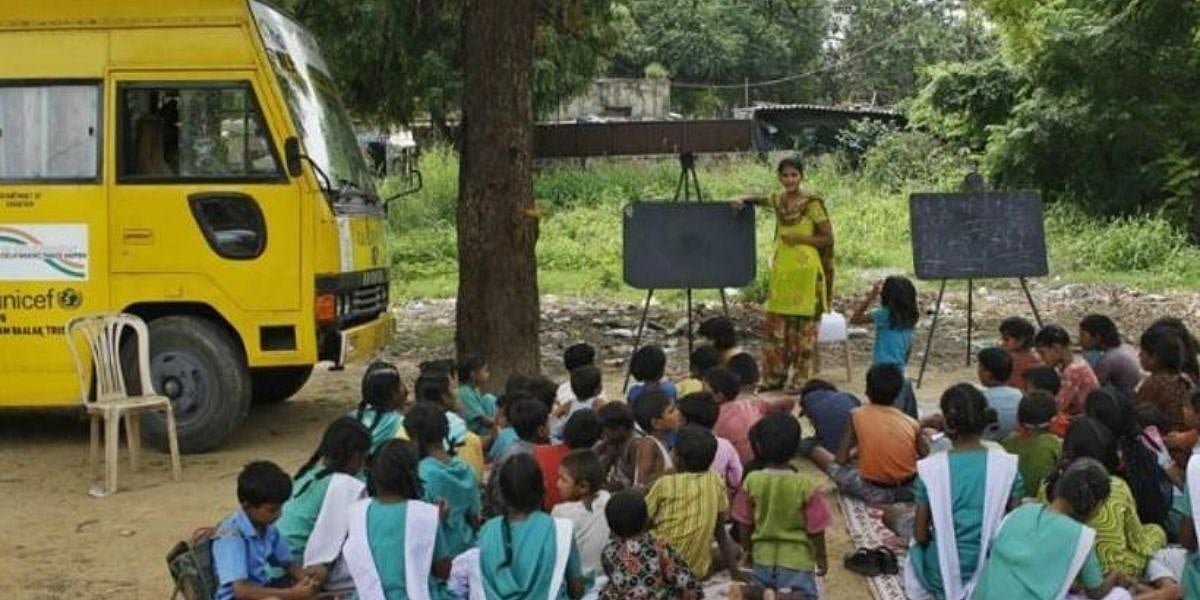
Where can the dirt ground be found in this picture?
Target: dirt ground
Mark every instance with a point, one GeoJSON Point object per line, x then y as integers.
{"type": "Point", "coordinates": [57, 542]}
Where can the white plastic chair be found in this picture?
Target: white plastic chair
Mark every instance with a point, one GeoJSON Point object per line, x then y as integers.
{"type": "Point", "coordinates": [95, 342]}
{"type": "Point", "coordinates": [833, 330]}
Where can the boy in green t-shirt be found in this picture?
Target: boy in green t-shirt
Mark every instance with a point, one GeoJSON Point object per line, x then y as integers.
{"type": "Point", "coordinates": [1038, 451]}
{"type": "Point", "coordinates": [787, 553]}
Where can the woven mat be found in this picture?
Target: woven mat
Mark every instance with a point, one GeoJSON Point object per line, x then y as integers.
{"type": "Point", "coordinates": [867, 530]}
{"type": "Point", "coordinates": [717, 586]}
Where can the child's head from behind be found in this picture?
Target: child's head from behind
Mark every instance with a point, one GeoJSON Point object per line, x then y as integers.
{"type": "Point", "coordinates": [626, 514]}
{"type": "Point", "coordinates": [1016, 334]}
{"type": "Point", "coordinates": [1112, 409]}
{"type": "Point", "coordinates": [648, 364]}
{"type": "Point", "coordinates": [427, 426]}
{"type": "Point", "coordinates": [1084, 485]}
{"type": "Point", "coordinates": [720, 332]}
{"type": "Point", "coordinates": [444, 366]}
{"type": "Point", "coordinates": [394, 471]}
{"type": "Point", "coordinates": [746, 368]}
{"type": "Point", "coordinates": [544, 390]}
{"type": "Point", "coordinates": [1161, 350]}
{"type": "Point", "coordinates": [579, 475]}
{"type": "Point", "coordinates": [382, 388]}
{"type": "Point", "coordinates": [586, 382]}
{"type": "Point", "coordinates": [817, 385]}
{"type": "Point", "coordinates": [1036, 410]}
{"type": "Point", "coordinates": [521, 487]}
{"type": "Point", "coordinates": [701, 360]}
{"type": "Point", "coordinates": [578, 355]}
{"type": "Point", "coordinates": [433, 386]}
{"type": "Point", "coordinates": [884, 383]}
{"type": "Point", "coordinates": [995, 366]}
{"type": "Point", "coordinates": [473, 371]}
{"type": "Point", "coordinates": [582, 430]}
{"type": "Point", "coordinates": [616, 422]}
{"type": "Point", "coordinates": [655, 413]}
{"type": "Point", "coordinates": [966, 411]}
{"type": "Point", "coordinates": [695, 448]}
{"type": "Point", "coordinates": [1088, 438]}
{"type": "Point", "coordinates": [1098, 332]}
{"type": "Point", "coordinates": [1053, 344]}
{"type": "Point", "coordinates": [899, 296]}
{"type": "Point", "coordinates": [344, 448]}
{"type": "Point", "coordinates": [1043, 379]}
{"type": "Point", "coordinates": [775, 438]}
{"type": "Point", "coordinates": [528, 419]}
{"type": "Point", "coordinates": [723, 383]}
{"type": "Point", "coordinates": [262, 488]}
{"type": "Point", "coordinates": [699, 408]}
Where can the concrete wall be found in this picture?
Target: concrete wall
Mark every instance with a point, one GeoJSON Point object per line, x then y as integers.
{"type": "Point", "coordinates": [619, 99]}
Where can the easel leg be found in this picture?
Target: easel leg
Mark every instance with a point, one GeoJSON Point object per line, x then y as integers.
{"type": "Point", "coordinates": [689, 321]}
{"type": "Point", "coordinates": [637, 340]}
{"type": "Point", "coordinates": [1036, 317]}
{"type": "Point", "coordinates": [932, 327]}
{"type": "Point", "coordinates": [724, 301]}
{"type": "Point", "coordinates": [970, 311]}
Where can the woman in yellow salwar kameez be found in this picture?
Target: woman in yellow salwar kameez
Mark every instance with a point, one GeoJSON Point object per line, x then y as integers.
{"type": "Point", "coordinates": [799, 285]}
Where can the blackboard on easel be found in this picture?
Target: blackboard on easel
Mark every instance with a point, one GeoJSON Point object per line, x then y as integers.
{"type": "Point", "coordinates": [976, 235]}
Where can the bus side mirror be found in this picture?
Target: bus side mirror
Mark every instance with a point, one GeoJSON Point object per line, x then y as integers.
{"type": "Point", "coordinates": [291, 156]}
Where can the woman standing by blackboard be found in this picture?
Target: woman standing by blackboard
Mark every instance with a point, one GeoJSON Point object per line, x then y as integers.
{"type": "Point", "coordinates": [800, 282]}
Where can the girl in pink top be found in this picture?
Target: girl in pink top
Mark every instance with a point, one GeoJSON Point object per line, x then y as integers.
{"type": "Point", "coordinates": [1053, 344]}
{"type": "Point", "coordinates": [735, 415]}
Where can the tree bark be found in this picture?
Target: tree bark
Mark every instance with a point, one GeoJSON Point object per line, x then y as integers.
{"type": "Point", "coordinates": [497, 312]}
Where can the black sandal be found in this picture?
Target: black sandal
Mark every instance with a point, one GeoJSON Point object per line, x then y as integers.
{"type": "Point", "coordinates": [864, 561]}
{"type": "Point", "coordinates": [889, 564]}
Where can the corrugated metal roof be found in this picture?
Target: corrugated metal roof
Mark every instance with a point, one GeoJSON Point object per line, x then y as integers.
{"type": "Point", "coordinates": [846, 109]}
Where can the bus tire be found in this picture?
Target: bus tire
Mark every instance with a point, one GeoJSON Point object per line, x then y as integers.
{"type": "Point", "coordinates": [197, 364]}
{"type": "Point", "coordinates": [273, 385]}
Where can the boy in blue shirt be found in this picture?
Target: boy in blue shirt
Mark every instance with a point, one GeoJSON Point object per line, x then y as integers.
{"type": "Point", "coordinates": [249, 550]}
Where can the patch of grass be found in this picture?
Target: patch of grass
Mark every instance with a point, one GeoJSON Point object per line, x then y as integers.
{"type": "Point", "coordinates": [579, 249]}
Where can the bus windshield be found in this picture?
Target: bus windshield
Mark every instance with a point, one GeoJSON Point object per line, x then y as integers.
{"type": "Point", "coordinates": [325, 128]}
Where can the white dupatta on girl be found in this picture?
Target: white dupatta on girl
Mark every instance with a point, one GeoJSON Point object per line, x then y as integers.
{"type": "Point", "coordinates": [935, 474]}
{"type": "Point", "coordinates": [329, 531]}
{"type": "Point", "coordinates": [420, 534]}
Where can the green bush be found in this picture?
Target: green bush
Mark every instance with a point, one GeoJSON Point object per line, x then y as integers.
{"type": "Point", "coordinates": [913, 158]}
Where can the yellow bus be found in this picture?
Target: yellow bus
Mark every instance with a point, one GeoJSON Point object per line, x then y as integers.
{"type": "Point", "coordinates": [189, 162]}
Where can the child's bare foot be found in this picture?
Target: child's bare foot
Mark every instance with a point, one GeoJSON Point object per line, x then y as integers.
{"type": "Point", "coordinates": [737, 591]}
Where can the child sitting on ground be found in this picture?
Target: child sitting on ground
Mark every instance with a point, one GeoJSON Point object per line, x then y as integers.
{"type": "Point", "coordinates": [657, 416]}
{"type": "Point", "coordinates": [647, 366]}
{"type": "Point", "coordinates": [1053, 344]}
{"type": "Point", "coordinates": [701, 360]}
{"type": "Point", "coordinates": [721, 334]}
{"type": "Point", "coordinates": [437, 386]}
{"type": "Point", "coordinates": [994, 370]}
{"type": "Point", "coordinates": [894, 320]}
{"type": "Point", "coordinates": [477, 407]}
{"type": "Point", "coordinates": [785, 536]}
{"type": "Point", "coordinates": [529, 419]}
{"type": "Point", "coordinates": [1167, 389]}
{"type": "Point", "coordinates": [701, 409]}
{"type": "Point", "coordinates": [526, 553]}
{"type": "Point", "coordinates": [961, 497]}
{"type": "Point", "coordinates": [618, 446]}
{"type": "Point", "coordinates": [579, 481]}
{"type": "Point", "coordinates": [1037, 450]}
{"type": "Point", "coordinates": [736, 413]}
{"type": "Point", "coordinates": [586, 392]}
{"type": "Point", "coordinates": [581, 432]}
{"type": "Point", "coordinates": [575, 356]}
{"type": "Point", "coordinates": [689, 507]}
{"type": "Point", "coordinates": [393, 538]}
{"type": "Point", "coordinates": [248, 544]}
{"type": "Point", "coordinates": [1041, 551]}
{"type": "Point", "coordinates": [314, 519]}
{"type": "Point", "coordinates": [1016, 338]}
{"type": "Point", "coordinates": [829, 410]}
{"type": "Point", "coordinates": [888, 441]}
{"type": "Point", "coordinates": [639, 565]}
{"type": "Point", "coordinates": [384, 399]}
{"type": "Point", "coordinates": [1115, 365]}
{"type": "Point", "coordinates": [447, 481]}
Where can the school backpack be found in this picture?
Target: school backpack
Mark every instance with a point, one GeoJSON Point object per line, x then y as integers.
{"type": "Point", "coordinates": [191, 565]}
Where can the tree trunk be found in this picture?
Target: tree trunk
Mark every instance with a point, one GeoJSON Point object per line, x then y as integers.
{"type": "Point", "coordinates": [497, 313]}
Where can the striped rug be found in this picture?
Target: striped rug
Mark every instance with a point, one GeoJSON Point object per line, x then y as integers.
{"type": "Point", "coordinates": [867, 530]}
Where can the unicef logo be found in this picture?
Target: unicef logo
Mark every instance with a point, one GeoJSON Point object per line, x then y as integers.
{"type": "Point", "coordinates": [70, 298]}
